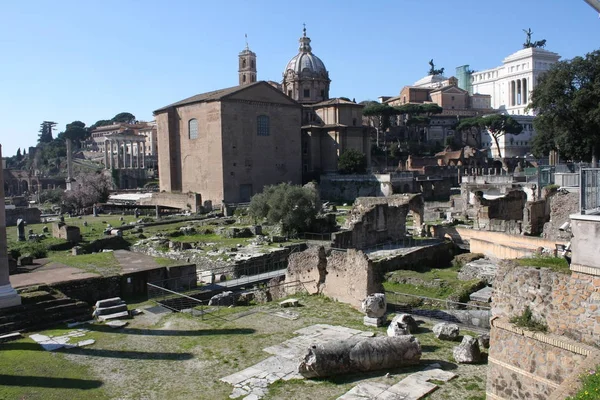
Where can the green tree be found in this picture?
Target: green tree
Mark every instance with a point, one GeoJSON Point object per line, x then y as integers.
{"type": "Point", "coordinates": [76, 131]}
{"type": "Point", "coordinates": [380, 114]}
{"type": "Point", "coordinates": [352, 162]}
{"type": "Point", "coordinates": [293, 207]}
{"type": "Point", "coordinates": [46, 129]}
{"type": "Point", "coordinates": [566, 102]}
{"type": "Point", "coordinates": [19, 156]}
{"type": "Point", "coordinates": [102, 122]}
{"type": "Point", "coordinates": [124, 117]}
{"type": "Point", "coordinates": [469, 126]}
{"type": "Point", "coordinates": [499, 125]}
{"type": "Point", "coordinates": [418, 116]}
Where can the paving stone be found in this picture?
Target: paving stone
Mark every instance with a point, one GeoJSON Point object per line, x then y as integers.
{"type": "Point", "coordinates": [85, 342]}
{"type": "Point", "coordinates": [116, 324]}
{"type": "Point", "coordinates": [365, 390]}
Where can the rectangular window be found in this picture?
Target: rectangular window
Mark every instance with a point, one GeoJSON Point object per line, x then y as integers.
{"type": "Point", "coordinates": [306, 93]}
{"type": "Point", "coordinates": [262, 125]}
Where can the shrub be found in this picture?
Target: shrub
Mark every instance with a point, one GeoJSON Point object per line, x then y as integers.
{"type": "Point", "coordinates": [527, 320]}
{"type": "Point", "coordinates": [291, 206]}
{"type": "Point", "coordinates": [35, 250]}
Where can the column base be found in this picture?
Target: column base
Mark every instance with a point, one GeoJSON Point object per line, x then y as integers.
{"type": "Point", "coordinates": [9, 297]}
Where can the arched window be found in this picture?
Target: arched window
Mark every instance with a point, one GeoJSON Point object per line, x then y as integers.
{"type": "Point", "coordinates": [193, 128]}
{"type": "Point", "coordinates": [243, 63]}
{"type": "Point", "coordinates": [252, 63]}
{"type": "Point", "coordinates": [243, 78]}
{"type": "Point", "coordinates": [262, 125]}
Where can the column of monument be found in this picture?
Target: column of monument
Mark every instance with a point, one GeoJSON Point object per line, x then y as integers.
{"type": "Point", "coordinates": [8, 295]}
{"type": "Point", "coordinates": [131, 154]}
{"type": "Point", "coordinates": [138, 147]}
{"type": "Point", "coordinates": [106, 154]}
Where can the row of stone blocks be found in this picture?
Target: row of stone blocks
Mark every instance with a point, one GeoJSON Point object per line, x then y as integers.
{"type": "Point", "coordinates": [42, 310]}
{"type": "Point", "coordinates": [113, 308]}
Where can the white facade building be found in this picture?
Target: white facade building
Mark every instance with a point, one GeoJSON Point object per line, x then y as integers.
{"type": "Point", "coordinates": [510, 86]}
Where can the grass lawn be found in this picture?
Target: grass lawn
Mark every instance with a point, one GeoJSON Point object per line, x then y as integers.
{"type": "Point", "coordinates": [176, 356]}
{"type": "Point", "coordinates": [557, 264]}
{"type": "Point", "coordinates": [100, 263]}
{"type": "Point", "coordinates": [439, 283]}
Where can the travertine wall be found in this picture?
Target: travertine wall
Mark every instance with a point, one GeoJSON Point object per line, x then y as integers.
{"type": "Point", "coordinates": [184, 201]}
{"type": "Point", "coordinates": [494, 244]}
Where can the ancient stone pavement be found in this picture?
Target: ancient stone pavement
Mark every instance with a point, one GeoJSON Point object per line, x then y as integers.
{"type": "Point", "coordinates": [252, 383]}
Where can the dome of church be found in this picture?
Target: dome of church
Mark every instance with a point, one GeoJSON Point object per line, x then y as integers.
{"type": "Point", "coordinates": [305, 61]}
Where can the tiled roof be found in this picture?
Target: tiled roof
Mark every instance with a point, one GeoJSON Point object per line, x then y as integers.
{"type": "Point", "coordinates": [215, 95]}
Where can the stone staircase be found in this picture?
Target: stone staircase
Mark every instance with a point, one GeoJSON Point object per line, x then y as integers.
{"type": "Point", "coordinates": [42, 308]}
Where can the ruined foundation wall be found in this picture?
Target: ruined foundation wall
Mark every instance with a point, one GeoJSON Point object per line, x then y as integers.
{"type": "Point", "coordinates": [528, 365]}
{"type": "Point", "coordinates": [522, 361]}
{"type": "Point", "coordinates": [307, 267]}
{"type": "Point", "coordinates": [351, 277]}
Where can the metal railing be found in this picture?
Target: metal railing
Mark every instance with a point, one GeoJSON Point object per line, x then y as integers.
{"type": "Point", "coordinates": [396, 244]}
{"type": "Point", "coordinates": [469, 315]}
{"type": "Point", "coordinates": [589, 191]}
{"type": "Point", "coordinates": [180, 302]}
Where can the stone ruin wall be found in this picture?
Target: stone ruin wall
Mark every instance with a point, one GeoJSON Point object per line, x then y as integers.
{"type": "Point", "coordinates": [348, 277]}
{"type": "Point", "coordinates": [521, 361]}
{"type": "Point", "coordinates": [562, 205]}
{"type": "Point", "coordinates": [512, 214]}
{"type": "Point", "coordinates": [373, 220]}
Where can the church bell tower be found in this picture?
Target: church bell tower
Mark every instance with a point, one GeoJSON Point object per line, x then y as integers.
{"type": "Point", "coordinates": [247, 67]}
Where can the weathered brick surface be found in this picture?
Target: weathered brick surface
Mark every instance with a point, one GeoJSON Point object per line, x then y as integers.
{"type": "Point", "coordinates": [375, 220]}
{"type": "Point", "coordinates": [542, 366]}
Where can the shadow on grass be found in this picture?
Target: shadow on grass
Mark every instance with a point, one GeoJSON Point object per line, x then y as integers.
{"type": "Point", "coordinates": [171, 332]}
{"type": "Point", "coordinates": [42, 381]}
{"type": "Point", "coordinates": [134, 355]}
{"type": "Point", "coordinates": [429, 348]}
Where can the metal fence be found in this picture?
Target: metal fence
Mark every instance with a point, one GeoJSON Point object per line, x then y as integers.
{"type": "Point", "coordinates": [469, 315]}
{"type": "Point", "coordinates": [589, 191]}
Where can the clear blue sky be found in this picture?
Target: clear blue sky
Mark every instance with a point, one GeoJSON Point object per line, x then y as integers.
{"type": "Point", "coordinates": [72, 60]}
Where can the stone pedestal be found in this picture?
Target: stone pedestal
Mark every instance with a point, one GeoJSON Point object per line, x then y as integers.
{"type": "Point", "coordinates": [8, 296]}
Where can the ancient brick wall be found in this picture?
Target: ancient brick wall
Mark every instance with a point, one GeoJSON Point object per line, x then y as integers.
{"type": "Point", "coordinates": [308, 267]}
{"type": "Point", "coordinates": [527, 365]}
{"type": "Point", "coordinates": [524, 362]}
{"type": "Point", "coordinates": [375, 220]}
